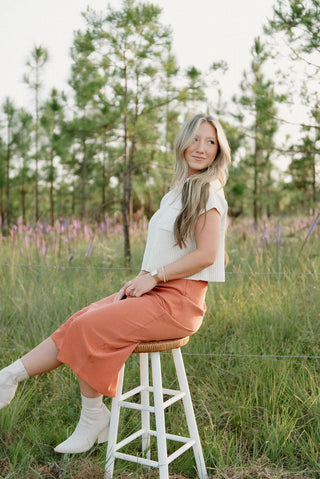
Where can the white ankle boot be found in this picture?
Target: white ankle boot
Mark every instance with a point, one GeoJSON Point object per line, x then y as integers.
{"type": "Point", "coordinates": [9, 379]}
{"type": "Point", "coordinates": [93, 426]}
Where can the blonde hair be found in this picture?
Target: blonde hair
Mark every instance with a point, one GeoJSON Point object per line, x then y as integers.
{"type": "Point", "coordinates": [195, 189]}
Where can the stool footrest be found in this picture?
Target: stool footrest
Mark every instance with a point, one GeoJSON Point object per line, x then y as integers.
{"type": "Point", "coordinates": [129, 439]}
{"type": "Point", "coordinates": [133, 392]}
{"type": "Point", "coordinates": [133, 405]}
{"type": "Point", "coordinates": [180, 451]}
{"type": "Point", "coordinates": [136, 459]}
{"type": "Point", "coordinates": [147, 462]}
{"type": "Point", "coordinates": [177, 396]}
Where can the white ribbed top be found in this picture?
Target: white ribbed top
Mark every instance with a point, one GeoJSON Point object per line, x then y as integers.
{"type": "Point", "coordinates": [160, 248]}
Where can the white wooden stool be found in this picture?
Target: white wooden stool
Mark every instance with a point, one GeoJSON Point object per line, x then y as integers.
{"type": "Point", "coordinates": [154, 348]}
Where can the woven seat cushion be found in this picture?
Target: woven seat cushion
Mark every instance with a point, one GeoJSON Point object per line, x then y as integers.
{"type": "Point", "coordinates": [158, 346]}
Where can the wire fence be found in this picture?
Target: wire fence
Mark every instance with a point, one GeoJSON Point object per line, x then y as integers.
{"type": "Point", "coordinates": [210, 354]}
{"type": "Point", "coordinates": [105, 268]}
{"type": "Point", "coordinates": [218, 355]}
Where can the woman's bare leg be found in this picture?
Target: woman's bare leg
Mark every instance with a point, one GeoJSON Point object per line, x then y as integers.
{"type": "Point", "coordinates": [42, 358]}
{"type": "Point", "coordinates": [87, 390]}
{"type": "Point", "coordinates": [39, 360]}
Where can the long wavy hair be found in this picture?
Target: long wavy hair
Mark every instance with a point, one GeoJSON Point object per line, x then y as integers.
{"type": "Point", "coordinates": [195, 189]}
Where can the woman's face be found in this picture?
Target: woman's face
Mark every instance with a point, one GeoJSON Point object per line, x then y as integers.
{"type": "Point", "coordinates": [203, 149]}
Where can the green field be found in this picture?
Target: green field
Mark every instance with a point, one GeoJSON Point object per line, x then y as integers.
{"type": "Point", "coordinates": [257, 397]}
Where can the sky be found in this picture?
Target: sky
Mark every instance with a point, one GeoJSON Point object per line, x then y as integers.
{"type": "Point", "coordinates": [204, 31]}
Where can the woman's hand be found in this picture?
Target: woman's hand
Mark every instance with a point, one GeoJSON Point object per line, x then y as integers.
{"type": "Point", "coordinates": [136, 287]}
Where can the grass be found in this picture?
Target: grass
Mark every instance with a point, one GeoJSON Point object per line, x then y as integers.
{"type": "Point", "coordinates": [257, 397]}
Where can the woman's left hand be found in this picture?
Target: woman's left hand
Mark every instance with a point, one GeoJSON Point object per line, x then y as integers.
{"type": "Point", "coordinates": [136, 287]}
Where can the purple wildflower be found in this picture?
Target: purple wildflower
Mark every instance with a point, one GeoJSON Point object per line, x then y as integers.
{"type": "Point", "coordinates": [265, 236]}
{"type": "Point", "coordinates": [312, 226]}
{"type": "Point", "coordinates": [277, 238]}
{"type": "Point", "coordinates": [89, 250]}
{"type": "Point", "coordinates": [310, 230]}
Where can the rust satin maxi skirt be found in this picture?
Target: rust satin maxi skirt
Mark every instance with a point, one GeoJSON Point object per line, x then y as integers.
{"type": "Point", "coordinates": [97, 340]}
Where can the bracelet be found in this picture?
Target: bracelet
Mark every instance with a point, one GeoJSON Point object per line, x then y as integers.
{"type": "Point", "coordinates": [155, 276]}
{"type": "Point", "coordinates": [163, 274]}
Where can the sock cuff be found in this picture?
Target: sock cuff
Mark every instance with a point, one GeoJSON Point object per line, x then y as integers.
{"type": "Point", "coordinates": [91, 403]}
{"type": "Point", "coordinates": [20, 371]}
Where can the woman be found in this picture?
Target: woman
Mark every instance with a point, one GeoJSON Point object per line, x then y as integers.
{"type": "Point", "coordinates": [184, 250]}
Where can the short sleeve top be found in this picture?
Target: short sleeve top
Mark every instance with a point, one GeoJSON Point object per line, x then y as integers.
{"type": "Point", "coordinates": [161, 248]}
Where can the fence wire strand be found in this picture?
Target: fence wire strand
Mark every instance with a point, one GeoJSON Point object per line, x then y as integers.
{"type": "Point", "coordinates": [105, 268]}
{"type": "Point", "coordinates": [217, 355]}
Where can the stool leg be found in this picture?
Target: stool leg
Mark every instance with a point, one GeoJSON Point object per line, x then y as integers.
{"type": "Point", "coordinates": [159, 414]}
{"type": "Point", "coordinates": [191, 421]}
{"type": "Point", "coordinates": [113, 429]}
{"type": "Point", "coordinates": [145, 415]}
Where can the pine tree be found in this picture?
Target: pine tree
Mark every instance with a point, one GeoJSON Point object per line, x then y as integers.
{"type": "Point", "coordinates": [51, 122]}
{"type": "Point", "coordinates": [91, 117]}
{"type": "Point", "coordinates": [258, 108]}
{"type": "Point", "coordinates": [298, 22]}
{"type": "Point", "coordinates": [24, 155]}
{"type": "Point", "coordinates": [35, 65]}
{"type": "Point", "coordinates": [10, 113]}
{"type": "Point", "coordinates": [133, 41]}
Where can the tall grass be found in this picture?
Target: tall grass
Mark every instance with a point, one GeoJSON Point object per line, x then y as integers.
{"type": "Point", "coordinates": [257, 397]}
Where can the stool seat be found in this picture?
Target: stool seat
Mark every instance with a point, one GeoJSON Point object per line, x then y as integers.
{"type": "Point", "coordinates": [160, 346]}
{"type": "Point", "coordinates": [155, 348]}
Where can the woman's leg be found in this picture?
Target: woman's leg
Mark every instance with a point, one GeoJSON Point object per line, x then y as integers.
{"type": "Point", "coordinates": [87, 390]}
{"type": "Point", "coordinates": [42, 358]}
{"type": "Point", "coordinates": [39, 360]}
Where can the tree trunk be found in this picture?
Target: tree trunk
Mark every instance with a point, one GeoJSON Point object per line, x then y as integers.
{"type": "Point", "coordinates": [255, 186]}
{"type": "Point", "coordinates": [2, 209]}
{"type": "Point", "coordinates": [23, 203]}
{"type": "Point", "coordinates": [51, 189]}
{"type": "Point", "coordinates": [73, 201]}
{"type": "Point", "coordinates": [84, 179]}
{"type": "Point", "coordinates": [314, 179]}
{"type": "Point", "coordinates": [103, 189]}
{"type": "Point", "coordinates": [256, 170]}
{"type": "Point", "coordinates": [126, 199]}
{"type": "Point", "coordinates": [8, 176]}
{"type": "Point", "coordinates": [36, 175]}
{"type": "Point", "coordinates": [23, 200]}
{"type": "Point", "coordinates": [126, 179]}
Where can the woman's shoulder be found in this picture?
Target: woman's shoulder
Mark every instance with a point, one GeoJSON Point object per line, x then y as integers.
{"type": "Point", "coordinates": [216, 189]}
{"type": "Point", "coordinates": [216, 197]}
{"type": "Point", "coordinates": [216, 186]}
{"type": "Point", "coordinates": [170, 198]}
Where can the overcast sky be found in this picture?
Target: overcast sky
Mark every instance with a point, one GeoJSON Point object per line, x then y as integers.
{"type": "Point", "coordinates": [204, 31]}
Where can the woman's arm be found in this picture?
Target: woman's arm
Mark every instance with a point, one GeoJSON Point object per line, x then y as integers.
{"type": "Point", "coordinates": [207, 235]}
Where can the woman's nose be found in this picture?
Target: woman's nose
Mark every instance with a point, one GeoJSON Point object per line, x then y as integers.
{"type": "Point", "coordinates": [200, 145]}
